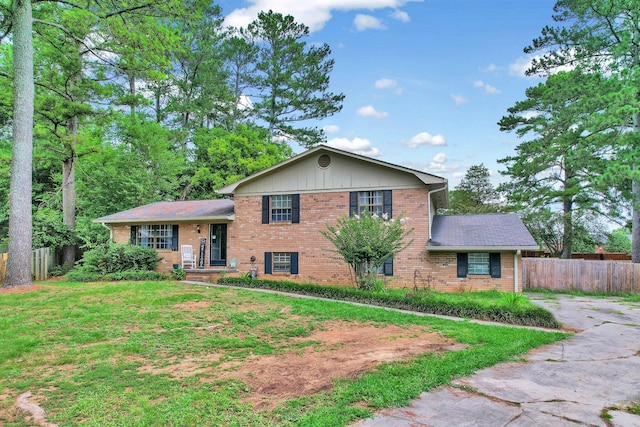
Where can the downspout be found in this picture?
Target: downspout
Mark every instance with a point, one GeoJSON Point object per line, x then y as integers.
{"type": "Point", "coordinates": [431, 214]}
{"type": "Point", "coordinates": [515, 271]}
{"type": "Point", "coordinates": [108, 228]}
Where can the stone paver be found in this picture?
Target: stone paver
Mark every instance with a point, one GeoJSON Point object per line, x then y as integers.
{"type": "Point", "coordinates": [565, 384]}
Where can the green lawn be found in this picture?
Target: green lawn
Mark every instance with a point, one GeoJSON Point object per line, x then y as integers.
{"type": "Point", "coordinates": [101, 354]}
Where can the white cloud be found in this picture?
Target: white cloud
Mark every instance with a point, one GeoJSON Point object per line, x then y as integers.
{"type": "Point", "coordinates": [331, 128]}
{"type": "Point", "coordinates": [522, 64]}
{"type": "Point", "coordinates": [491, 90]}
{"type": "Point", "coordinates": [530, 114]}
{"type": "Point", "coordinates": [388, 84]}
{"type": "Point", "coordinates": [385, 83]}
{"type": "Point", "coordinates": [519, 67]}
{"type": "Point", "coordinates": [438, 165]}
{"type": "Point", "coordinates": [400, 16]}
{"type": "Point", "coordinates": [425, 138]}
{"type": "Point", "coordinates": [369, 111]}
{"type": "Point", "coordinates": [490, 68]}
{"type": "Point", "coordinates": [367, 22]}
{"type": "Point", "coordinates": [356, 145]}
{"type": "Point", "coordinates": [459, 99]}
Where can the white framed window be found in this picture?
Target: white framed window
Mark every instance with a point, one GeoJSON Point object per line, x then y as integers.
{"type": "Point", "coordinates": [478, 263]}
{"type": "Point", "coordinates": [154, 236]}
{"type": "Point", "coordinates": [281, 208]}
{"type": "Point", "coordinates": [371, 201]}
{"type": "Point", "coordinates": [281, 262]}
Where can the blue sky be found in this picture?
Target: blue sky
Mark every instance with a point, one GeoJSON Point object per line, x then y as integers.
{"type": "Point", "coordinates": [425, 81]}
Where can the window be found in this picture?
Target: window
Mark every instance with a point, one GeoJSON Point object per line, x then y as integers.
{"type": "Point", "coordinates": [281, 208]}
{"type": "Point", "coordinates": [377, 202]}
{"type": "Point", "coordinates": [280, 262]}
{"type": "Point", "coordinates": [478, 263]}
{"type": "Point", "coordinates": [371, 201]}
{"type": "Point", "coordinates": [161, 236]}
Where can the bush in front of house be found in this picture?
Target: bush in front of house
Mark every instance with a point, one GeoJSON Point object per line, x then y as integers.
{"type": "Point", "coordinates": [496, 310]}
{"type": "Point", "coordinates": [117, 262]}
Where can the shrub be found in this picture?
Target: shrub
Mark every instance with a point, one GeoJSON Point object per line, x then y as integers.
{"type": "Point", "coordinates": [117, 262]}
{"type": "Point", "coordinates": [112, 258]}
{"type": "Point", "coordinates": [432, 302]}
{"type": "Point", "coordinates": [82, 276]}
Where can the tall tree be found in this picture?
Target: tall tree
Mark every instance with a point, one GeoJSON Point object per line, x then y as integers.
{"type": "Point", "coordinates": [602, 36]}
{"type": "Point", "coordinates": [20, 220]}
{"type": "Point", "coordinates": [562, 161]}
{"type": "Point", "coordinates": [293, 80]}
{"type": "Point", "coordinates": [475, 193]}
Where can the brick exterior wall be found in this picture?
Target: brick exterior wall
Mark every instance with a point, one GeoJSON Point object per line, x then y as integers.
{"type": "Point", "coordinates": [248, 237]}
{"type": "Point", "coordinates": [187, 235]}
{"type": "Point", "coordinates": [415, 266]}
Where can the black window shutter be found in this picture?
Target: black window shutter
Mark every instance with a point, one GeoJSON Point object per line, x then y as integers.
{"type": "Point", "coordinates": [294, 262]}
{"type": "Point", "coordinates": [353, 203]}
{"type": "Point", "coordinates": [295, 208]}
{"type": "Point", "coordinates": [267, 263]}
{"type": "Point", "coordinates": [174, 238]}
{"type": "Point", "coordinates": [134, 232]}
{"type": "Point", "coordinates": [494, 265]}
{"type": "Point", "coordinates": [462, 264]}
{"type": "Point", "coordinates": [387, 203]}
{"type": "Point", "coordinates": [265, 209]}
{"type": "Point", "coordinates": [387, 267]}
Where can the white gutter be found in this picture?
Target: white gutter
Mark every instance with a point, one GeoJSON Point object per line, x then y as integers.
{"type": "Point", "coordinates": [515, 271]}
{"type": "Point", "coordinates": [431, 214]}
{"type": "Point", "coordinates": [108, 228]}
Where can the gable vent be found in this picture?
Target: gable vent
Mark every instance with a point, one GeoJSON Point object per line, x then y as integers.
{"type": "Point", "coordinates": [324, 161]}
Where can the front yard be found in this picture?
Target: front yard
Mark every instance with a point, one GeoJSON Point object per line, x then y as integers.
{"type": "Point", "coordinates": [161, 353]}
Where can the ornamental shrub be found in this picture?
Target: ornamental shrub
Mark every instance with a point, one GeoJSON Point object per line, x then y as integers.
{"type": "Point", "coordinates": [113, 258]}
{"type": "Point", "coordinates": [365, 242]}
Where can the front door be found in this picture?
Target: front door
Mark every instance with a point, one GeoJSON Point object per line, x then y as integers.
{"type": "Point", "coordinates": [218, 250]}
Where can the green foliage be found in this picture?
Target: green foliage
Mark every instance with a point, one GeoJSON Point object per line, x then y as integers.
{"type": "Point", "coordinates": [49, 231]}
{"type": "Point", "coordinates": [179, 273]}
{"type": "Point", "coordinates": [132, 275]}
{"type": "Point", "coordinates": [293, 79]}
{"type": "Point", "coordinates": [618, 241]}
{"type": "Point", "coordinates": [366, 241]}
{"type": "Point", "coordinates": [223, 157]}
{"type": "Point", "coordinates": [475, 194]}
{"type": "Point", "coordinates": [490, 305]}
{"type": "Point", "coordinates": [114, 258]}
{"type": "Point", "coordinates": [560, 163]}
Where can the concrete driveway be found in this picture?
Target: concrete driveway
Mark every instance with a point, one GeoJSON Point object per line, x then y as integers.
{"type": "Point", "coordinates": [565, 384]}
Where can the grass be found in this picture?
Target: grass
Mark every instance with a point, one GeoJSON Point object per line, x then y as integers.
{"type": "Point", "coordinates": [82, 349]}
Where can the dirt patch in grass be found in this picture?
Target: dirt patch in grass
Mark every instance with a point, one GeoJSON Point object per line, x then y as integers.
{"type": "Point", "coordinates": [23, 289]}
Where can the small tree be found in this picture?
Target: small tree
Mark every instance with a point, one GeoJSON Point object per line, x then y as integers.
{"type": "Point", "coordinates": [618, 241]}
{"type": "Point", "coordinates": [365, 242]}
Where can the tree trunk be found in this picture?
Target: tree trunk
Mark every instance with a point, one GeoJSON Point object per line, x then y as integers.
{"type": "Point", "coordinates": [635, 222]}
{"type": "Point", "coordinates": [567, 223]}
{"type": "Point", "coordinates": [20, 187]}
{"type": "Point", "coordinates": [635, 190]}
{"type": "Point", "coordinates": [69, 191]}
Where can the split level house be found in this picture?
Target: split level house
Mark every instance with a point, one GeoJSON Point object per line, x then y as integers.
{"type": "Point", "coordinates": [269, 224]}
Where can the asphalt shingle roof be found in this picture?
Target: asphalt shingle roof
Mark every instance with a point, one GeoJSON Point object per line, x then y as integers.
{"type": "Point", "coordinates": [486, 230]}
{"type": "Point", "coordinates": [174, 211]}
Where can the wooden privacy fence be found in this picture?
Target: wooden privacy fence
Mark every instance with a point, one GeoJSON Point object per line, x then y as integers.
{"type": "Point", "coordinates": [576, 274]}
{"type": "Point", "coordinates": [41, 260]}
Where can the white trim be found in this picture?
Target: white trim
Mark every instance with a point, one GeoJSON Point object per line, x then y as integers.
{"type": "Point", "coordinates": [172, 220]}
{"type": "Point", "coordinates": [515, 271]}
